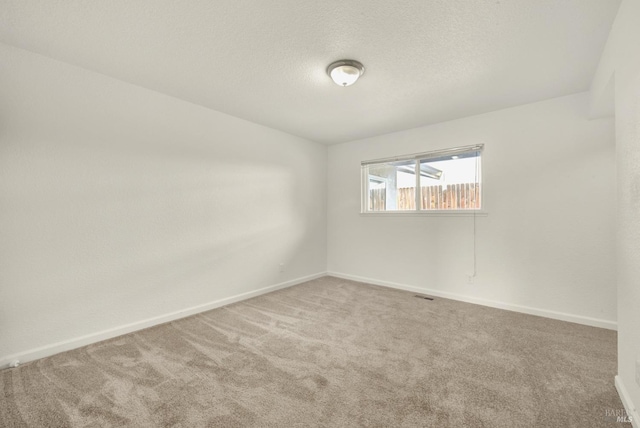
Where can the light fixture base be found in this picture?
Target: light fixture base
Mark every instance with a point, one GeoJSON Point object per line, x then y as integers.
{"type": "Point", "coordinates": [345, 72]}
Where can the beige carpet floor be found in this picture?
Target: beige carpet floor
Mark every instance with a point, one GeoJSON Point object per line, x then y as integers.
{"type": "Point", "coordinates": [328, 353]}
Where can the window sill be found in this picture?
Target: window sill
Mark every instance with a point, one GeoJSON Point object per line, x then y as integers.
{"type": "Point", "coordinates": [448, 213]}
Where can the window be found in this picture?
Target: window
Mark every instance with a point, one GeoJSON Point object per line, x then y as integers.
{"type": "Point", "coordinates": [447, 180]}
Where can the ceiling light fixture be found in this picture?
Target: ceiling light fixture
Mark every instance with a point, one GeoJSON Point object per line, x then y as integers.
{"type": "Point", "coordinates": [345, 72]}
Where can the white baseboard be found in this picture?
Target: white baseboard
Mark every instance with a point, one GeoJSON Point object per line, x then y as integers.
{"type": "Point", "coordinates": [579, 319]}
{"type": "Point", "coordinates": [78, 342]}
{"type": "Point", "coordinates": [627, 403]}
{"type": "Point", "coordinates": [56, 348]}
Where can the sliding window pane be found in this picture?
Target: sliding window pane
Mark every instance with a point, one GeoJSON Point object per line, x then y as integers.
{"type": "Point", "coordinates": [392, 186]}
{"type": "Point", "coordinates": [451, 182]}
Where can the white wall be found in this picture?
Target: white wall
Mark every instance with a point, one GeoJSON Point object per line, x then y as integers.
{"type": "Point", "coordinates": [621, 59]}
{"type": "Point", "coordinates": [120, 205]}
{"type": "Point", "coordinates": [547, 244]}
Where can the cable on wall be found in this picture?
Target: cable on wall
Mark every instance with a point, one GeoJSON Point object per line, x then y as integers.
{"type": "Point", "coordinates": [475, 215]}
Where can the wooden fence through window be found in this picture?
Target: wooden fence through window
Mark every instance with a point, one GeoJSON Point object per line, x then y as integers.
{"type": "Point", "coordinates": [462, 196]}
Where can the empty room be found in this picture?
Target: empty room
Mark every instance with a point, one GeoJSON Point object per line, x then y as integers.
{"type": "Point", "coordinates": [320, 214]}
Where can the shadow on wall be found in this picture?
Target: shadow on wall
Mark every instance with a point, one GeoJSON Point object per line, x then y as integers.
{"type": "Point", "coordinates": [122, 235]}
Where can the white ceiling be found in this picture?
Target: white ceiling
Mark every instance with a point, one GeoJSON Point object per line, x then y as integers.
{"type": "Point", "coordinates": [426, 61]}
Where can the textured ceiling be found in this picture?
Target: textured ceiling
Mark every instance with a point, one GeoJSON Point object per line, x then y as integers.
{"type": "Point", "coordinates": [264, 61]}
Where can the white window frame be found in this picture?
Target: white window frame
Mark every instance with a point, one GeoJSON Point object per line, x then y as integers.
{"type": "Point", "coordinates": [417, 157]}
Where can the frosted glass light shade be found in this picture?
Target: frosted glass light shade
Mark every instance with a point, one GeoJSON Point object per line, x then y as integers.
{"type": "Point", "coordinates": [345, 72]}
